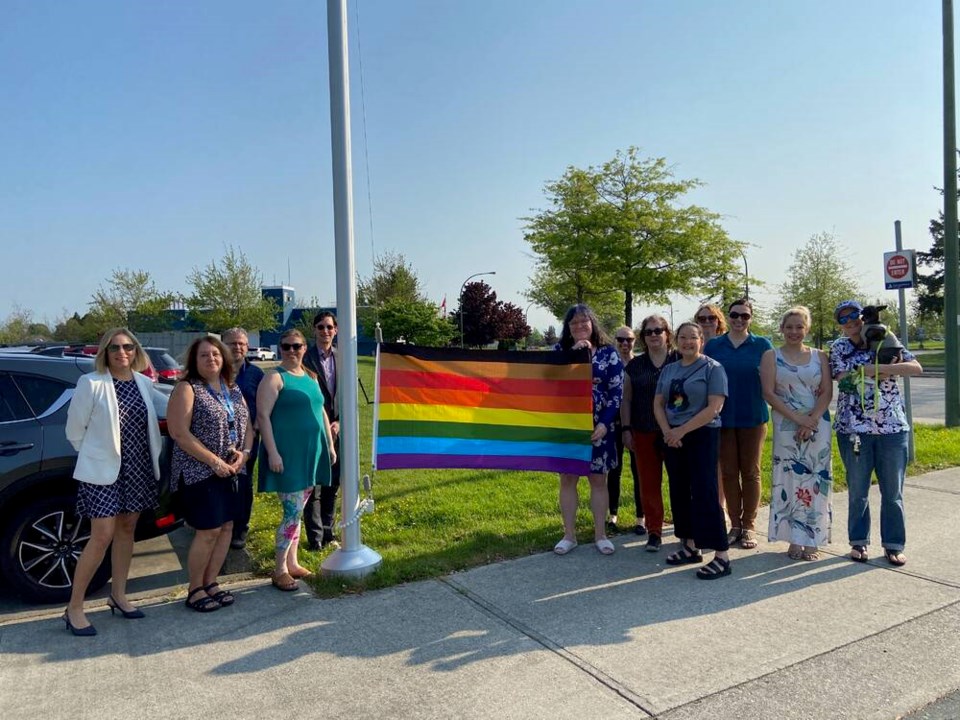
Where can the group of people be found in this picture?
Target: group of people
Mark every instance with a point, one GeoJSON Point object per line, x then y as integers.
{"type": "Point", "coordinates": [221, 414]}
{"type": "Point", "coordinates": [696, 402]}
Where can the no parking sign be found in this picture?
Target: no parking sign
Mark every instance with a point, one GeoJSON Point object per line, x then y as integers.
{"type": "Point", "coordinates": [898, 269]}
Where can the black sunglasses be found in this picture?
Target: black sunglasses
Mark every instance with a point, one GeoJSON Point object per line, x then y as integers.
{"type": "Point", "coordinates": [625, 340]}
{"type": "Point", "coordinates": [654, 331]}
{"type": "Point", "coordinates": [126, 347]}
{"type": "Point", "coordinates": [290, 346]}
{"type": "Point", "coordinates": [325, 327]}
{"type": "Point", "coordinates": [740, 316]}
{"type": "Point", "coordinates": [706, 318]}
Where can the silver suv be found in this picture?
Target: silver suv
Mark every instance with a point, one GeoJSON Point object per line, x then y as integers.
{"type": "Point", "coordinates": [41, 536]}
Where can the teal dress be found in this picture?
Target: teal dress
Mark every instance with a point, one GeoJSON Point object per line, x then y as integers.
{"type": "Point", "coordinates": [297, 421]}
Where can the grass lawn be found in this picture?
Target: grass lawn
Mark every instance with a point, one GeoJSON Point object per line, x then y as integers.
{"type": "Point", "coordinates": [931, 360]}
{"type": "Point", "coordinates": [432, 522]}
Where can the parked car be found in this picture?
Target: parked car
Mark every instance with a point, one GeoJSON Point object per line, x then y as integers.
{"type": "Point", "coordinates": [41, 536]}
{"type": "Point", "coordinates": [261, 353]}
{"type": "Point", "coordinates": [165, 366]}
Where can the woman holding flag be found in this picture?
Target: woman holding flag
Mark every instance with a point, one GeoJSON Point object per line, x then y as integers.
{"type": "Point", "coordinates": [581, 330]}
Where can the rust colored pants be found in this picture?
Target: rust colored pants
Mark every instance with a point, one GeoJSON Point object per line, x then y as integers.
{"type": "Point", "coordinates": [740, 450]}
{"type": "Point", "coordinates": [649, 454]}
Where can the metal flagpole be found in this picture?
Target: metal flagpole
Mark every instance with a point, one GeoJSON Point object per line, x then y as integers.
{"type": "Point", "coordinates": [353, 559]}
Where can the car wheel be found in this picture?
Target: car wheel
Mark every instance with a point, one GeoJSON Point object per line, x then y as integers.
{"type": "Point", "coordinates": [41, 546]}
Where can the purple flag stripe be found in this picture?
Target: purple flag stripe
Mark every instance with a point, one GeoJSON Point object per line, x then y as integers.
{"type": "Point", "coordinates": [483, 462]}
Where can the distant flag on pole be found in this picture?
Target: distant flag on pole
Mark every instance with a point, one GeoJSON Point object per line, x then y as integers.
{"type": "Point", "coordinates": [443, 307]}
{"type": "Point", "coordinates": [453, 408]}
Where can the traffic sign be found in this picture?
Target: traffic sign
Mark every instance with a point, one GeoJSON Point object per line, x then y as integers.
{"type": "Point", "coordinates": [898, 269]}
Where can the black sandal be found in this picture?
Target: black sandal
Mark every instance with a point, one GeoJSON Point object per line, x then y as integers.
{"type": "Point", "coordinates": [895, 557]}
{"type": "Point", "coordinates": [684, 556]}
{"type": "Point", "coordinates": [224, 597]}
{"type": "Point", "coordinates": [716, 568]}
{"type": "Point", "coordinates": [203, 604]}
{"type": "Point", "coordinates": [861, 553]}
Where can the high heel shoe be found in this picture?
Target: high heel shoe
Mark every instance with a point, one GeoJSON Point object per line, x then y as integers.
{"type": "Point", "coordinates": [88, 631]}
{"type": "Point", "coordinates": [134, 614]}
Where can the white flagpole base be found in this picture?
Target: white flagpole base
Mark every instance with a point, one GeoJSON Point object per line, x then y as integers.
{"type": "Point", "coordinates": [356, 563]}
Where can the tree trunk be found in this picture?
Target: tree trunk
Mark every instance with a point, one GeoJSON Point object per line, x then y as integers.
{"type": "Point", "coordinates": [628, 308]}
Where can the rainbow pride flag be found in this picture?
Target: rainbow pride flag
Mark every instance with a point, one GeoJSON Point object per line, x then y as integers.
{"type": "Point", "coordinates": [452, 408]}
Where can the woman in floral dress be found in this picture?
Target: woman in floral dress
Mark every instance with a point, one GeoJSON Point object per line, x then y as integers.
{"type": "Point", "coordinates": [581, 330]}
{"type": "Point", "coordinates": [797, 384]}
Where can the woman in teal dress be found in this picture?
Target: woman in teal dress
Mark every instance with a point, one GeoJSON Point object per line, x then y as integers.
{"type": "Point", "coordinates": [297, 449]}
{"type": "Point", "coordinates": [797, 383]}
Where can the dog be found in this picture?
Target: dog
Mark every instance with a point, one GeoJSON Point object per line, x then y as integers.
{"type": "Point", "coordinates": [878, 338]}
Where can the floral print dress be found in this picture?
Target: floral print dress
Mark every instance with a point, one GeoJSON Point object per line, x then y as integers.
{"type": "Point", "coordinates": [800, 509]}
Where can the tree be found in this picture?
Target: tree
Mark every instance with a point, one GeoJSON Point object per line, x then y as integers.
{"type": "Point", "coordinates": [929, 298]}
{"type": "Point", "coordinates": [393, 279]}
{"type": "Point", "coordinates": [618, 234]}
{"type": "Point", "coordinates": [511, 324]}
{"type": "Point", "coordinates": [820, 279]}
{"type": "Point", "coordinates": [19, 327]}
{"type": "Point", "coordinates": [228, 294]}
{"type": "Point", "coordinates": [418, 322]}
{"type": "Point", "coordinates": [130, 298]}
{"type": "Point", "coordinates": [550, 337]}
{"type": "Point", "coordinates": [478, 314]}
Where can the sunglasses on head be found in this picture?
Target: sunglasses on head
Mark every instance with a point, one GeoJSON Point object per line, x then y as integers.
{"type": "Point", "coordinates": [706, 318]}
{"type": "Point", "coordinates": [126, 347]}
{"type": "Point", "coordinates": [740, 316]}
{"type": "Point", "coordinates": [653, 331]}
{"type": "Point", "coordinates": [625, 340]}
{"type": "Point", "coordinates": [290, 346]}
{"type": "Point", "coordinates": [849, 317]}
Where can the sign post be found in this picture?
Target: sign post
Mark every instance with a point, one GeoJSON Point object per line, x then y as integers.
{"type": "Point", "coordinates": [899, 268]}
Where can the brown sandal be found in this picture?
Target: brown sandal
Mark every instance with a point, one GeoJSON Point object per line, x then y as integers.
{"type": "Point", "coordinates": [285, 582]}
{"type": "Point", "coordinates": [748, 541]}
{"type": "Point", "coordinates": [810, 554]}
{"type": "Point", "coordinates": [301, 574]}
{"type": "Point", "coordinates": [794, 552]}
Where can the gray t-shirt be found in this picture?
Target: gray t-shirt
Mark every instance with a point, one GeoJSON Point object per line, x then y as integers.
{"type": "Point", "coordinates": [686, 388]}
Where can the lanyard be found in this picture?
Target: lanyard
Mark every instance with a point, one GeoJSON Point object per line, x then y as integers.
{"type": "Point", "coordinates": [223, 397]}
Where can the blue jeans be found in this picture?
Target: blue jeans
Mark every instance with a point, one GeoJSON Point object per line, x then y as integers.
{"type": "Point", "coordinates": [887, 455]}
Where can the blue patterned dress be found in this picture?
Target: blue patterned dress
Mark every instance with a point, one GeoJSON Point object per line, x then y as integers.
{"type": "Point", "coordinates": [607, 395]}
{"type": "Point", "coordinates": [800, 508]}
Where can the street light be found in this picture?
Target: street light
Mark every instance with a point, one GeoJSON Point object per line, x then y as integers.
{"type": "Point", "coordinates": [746, 275]}
{"type": "Point", "coordinates": [492, 272]}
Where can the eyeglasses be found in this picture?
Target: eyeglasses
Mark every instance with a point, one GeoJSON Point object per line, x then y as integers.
{"type": "Point", "coordinates": [291, 346]}
{"type": "Point", "coordinates": [126, 347]}
{"type": "Point", "coordinates": [579, 323]}
{"type": "Point", "coordinates": [625, 340]}
{"type": "Point", "coordinates": [328, 328]}
{"type": "Point", "coordinates": [709, 319]}
{"type": "Point", "coordinates": [849, 317]}
{"type": "Point", "coordinates": [740, 316]}
{"type": "Point", "coordinates": [654, 331]}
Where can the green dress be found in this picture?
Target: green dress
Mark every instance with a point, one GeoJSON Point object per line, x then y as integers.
{"type": "Point", "coordinates": [297, 421]}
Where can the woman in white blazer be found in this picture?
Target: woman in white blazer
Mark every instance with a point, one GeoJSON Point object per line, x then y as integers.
{"type": "Point", "coordinates": [112, 423]}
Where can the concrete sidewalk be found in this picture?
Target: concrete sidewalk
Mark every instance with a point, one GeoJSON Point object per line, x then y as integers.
{"type": "Point", "coordinates": [581, 636]}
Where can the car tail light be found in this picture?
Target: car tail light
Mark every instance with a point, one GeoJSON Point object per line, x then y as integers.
{"type": "Point", "coordinates": [170, 373]}
{"type": "Point", "coordinates": [163, 427]}
{"type": "Point", "coordinates": [149, 372]}
{"type": "Point", "coordinates": [166, 521]}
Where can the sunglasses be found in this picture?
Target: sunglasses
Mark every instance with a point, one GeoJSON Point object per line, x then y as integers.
{"type": "Point", "coordinates": [653, 331]}
{"type": "Point", "coordinates": [290, 346]}
{"type": "Point", "coordinates": [325, 327]}
{"type": "Point", "coordinates": [849, 317]}
{"type": "Point", "coordinates": [126, 347]}
{"type": "Point", "coordinates": [625, 340]}
{"type": "Point", "coordinates": [706, 318]}
{"type": "Point", "coordinates": [740, 316]}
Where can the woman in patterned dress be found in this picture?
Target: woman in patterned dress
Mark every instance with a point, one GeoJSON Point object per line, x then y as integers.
{"type": "Point", "coordinates": [797, 384]}
{"type": "Point", "coordinates": [209, 421]}
{"type": "Point", "coordinates": [297, 452]}
{"type": "Point", "coordinates": [582, 330]}
{"type": "Point", "coordinates": [113, 425]}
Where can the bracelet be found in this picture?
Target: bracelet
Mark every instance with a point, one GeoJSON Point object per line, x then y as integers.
{"type": "Point", "coordinates": [246, 452]}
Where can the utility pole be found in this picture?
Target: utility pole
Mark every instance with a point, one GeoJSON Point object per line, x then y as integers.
{"type": "Point", "coordinates": [951, 311]}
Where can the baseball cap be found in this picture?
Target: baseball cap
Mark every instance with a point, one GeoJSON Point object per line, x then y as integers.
{"type": "Point", "coordinates": [847, 305]}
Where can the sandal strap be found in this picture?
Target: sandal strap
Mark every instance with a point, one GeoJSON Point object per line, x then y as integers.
{"type": "Point", "coordinates": [714, 567]}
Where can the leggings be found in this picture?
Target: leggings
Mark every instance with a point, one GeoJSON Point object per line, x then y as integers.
{"type": "Point", "coordinates": [292, 506]}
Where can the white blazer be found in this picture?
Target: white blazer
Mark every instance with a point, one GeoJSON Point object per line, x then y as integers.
{"type": "Point", "coordinates": [93, 427]}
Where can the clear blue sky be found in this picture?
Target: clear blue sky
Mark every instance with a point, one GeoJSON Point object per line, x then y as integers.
{"type": "Point", "coordinates": [149, 135]}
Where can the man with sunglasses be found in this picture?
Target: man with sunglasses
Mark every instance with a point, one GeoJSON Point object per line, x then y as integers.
{"type": "Point", "coordinates": [871, 427]}
{"type": "Point", "coordinates": [625, 340]}
{"type": "Point", "coordinates": [248, 377]}
{"type": "Point", "coordinates": [321, 359]}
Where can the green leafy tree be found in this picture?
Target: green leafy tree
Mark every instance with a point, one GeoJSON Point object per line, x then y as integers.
{"type": "Point", "coordinates": [227, 293]}
{"type": "Point", "coordinates": [550, 337]}
{"type": "Point", "coordinates": [818, 278]}
{"type": "Point", "coordinates": [619, 234]}
{"type": "Point", "coordinates": [393, 279]}
{"type": "Point", "coordinates": [77, 328]}
{"type": "Point", "coordinates": [130, 298]}
{"type": "Point", "coordinates": [417, 322]}
{"type": "Point", "coordinates": [19, 327]}
{"type": "Point", "coordinates": [929, 298]}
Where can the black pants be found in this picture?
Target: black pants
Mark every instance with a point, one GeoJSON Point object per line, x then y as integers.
{"type": "Point", "coordinates": [241, 522]}
{"type": "Point", "coordinates": [321, 507]}
{"type": "Point", "coordinates": [613, 478]}
{"type": "Point", "coordinates": [694, 492]}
